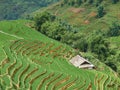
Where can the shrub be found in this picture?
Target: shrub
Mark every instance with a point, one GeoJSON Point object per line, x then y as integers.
{"type": "Point", "coordinates": [99, 46]}
{"type": "Point", "coordinates": [114, 1]}
{"type": "Point", "coordinates": [112, 65]}
{"type": "Point", "coordinates": [90, 1]}
{"type": "Point", "coordinates": [114, 30]}
{"type": "Point", "coordinates": [42, 18]}
{"type": "Point", "coordinates": [53, 30]}
{"type": "Point", "coordinates": [100, 11]}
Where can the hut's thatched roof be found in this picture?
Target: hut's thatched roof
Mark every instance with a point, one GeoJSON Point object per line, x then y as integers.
{"type": "Point", "coordinates": [80, 62]}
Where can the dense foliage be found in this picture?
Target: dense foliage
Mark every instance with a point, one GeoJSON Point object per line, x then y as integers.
{"type": "Point", "coordinates": [13, 9]}
{"type": "Point", "coordinates": [114, 30]}
{"type": "Point", "coordinates": [100, 11]}
{"type": "Point", "coordinates": [95, 43]}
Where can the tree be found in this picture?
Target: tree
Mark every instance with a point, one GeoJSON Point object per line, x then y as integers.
{"type": "Point", "coordinates": [98, 2]}
{"type": "Point", "coordinates": [90, 1]}
{"type": "Point", "coordinates": [114, 30]}
{"type": "Point", "coordinates": [79, 2]}
{"type": "Point", "coordinates": [42, 18]}
{"type": "Point", "coordinates": [114, 1]}
{"type": "Point", "coordinates": [83, 45]}
{"type": "Point", "coordinates": [53, 30]}
{"type": "Point", "coordinates": [65, 1]}
{"type": "Point", "coordinates": [99, 46]}
{"type": "Point", "coordinates": [112, 65]}
{"type": "Point", "coordinates": [71, 3]}
{"type": "Point", "coordinates": [100, 11]}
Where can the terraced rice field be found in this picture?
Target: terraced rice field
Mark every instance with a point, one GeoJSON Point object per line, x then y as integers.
{"type": "Point", "coordinates": [43, 64]}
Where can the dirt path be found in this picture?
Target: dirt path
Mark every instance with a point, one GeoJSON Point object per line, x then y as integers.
{"type": "Point", "coordinates": [11, 35]}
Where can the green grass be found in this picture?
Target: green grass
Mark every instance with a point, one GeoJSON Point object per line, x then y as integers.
{"type": "Point", "coordinates": [87, 23]}
{"type": "Point", "coordinates": [88, 13]}
{"type": "Point", "coordinates": [36, 62]}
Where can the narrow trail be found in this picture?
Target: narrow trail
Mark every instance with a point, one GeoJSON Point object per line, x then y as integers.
{"type": "Point", "coordinates": [11, 35]}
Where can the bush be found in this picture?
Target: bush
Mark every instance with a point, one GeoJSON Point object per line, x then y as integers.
{"type": "Point", "coordinates": [90, 1]}
{"type": "Point", "coordinates": [112, 65]}
{"type": "Point", "coordinates": [76, 40]}
{"type": "Point", "coordinates": [99, 46]}
{"type": "Point", "coordinates": [114, 1]}
{"type": "Point", "coordinates": [42, 18]}
{"type": "Point", "coordinates": [114, 30]}
{"type": "Point", "coordinates": [53, 30]}
{"type": "Point", "coordinates": [100, 11]}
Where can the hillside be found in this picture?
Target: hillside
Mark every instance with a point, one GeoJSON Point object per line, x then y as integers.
{"type": "Point", "coordinates": [95, 22]}
{"type": "Point", "coordinates": [14, 9]}
{"type": "Point", "coordinates": [30, 60]}
{"type": "Point", "coordinates": [84, 15]}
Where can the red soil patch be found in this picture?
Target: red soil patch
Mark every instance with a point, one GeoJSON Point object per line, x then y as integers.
{"type": "Point", "coordinates": [30, 24]}
{"type": "Point", "coordinates": [86, 22]}
{"type": "Point", "coordinates": [92, 14]}
{"type": "Point", "coordinates": [76, 10]}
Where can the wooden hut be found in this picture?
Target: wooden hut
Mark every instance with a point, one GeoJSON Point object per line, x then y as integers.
{"type": "Point", "coordinates": [80, 62]}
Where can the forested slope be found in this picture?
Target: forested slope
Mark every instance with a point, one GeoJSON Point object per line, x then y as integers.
{"type": "Point", "coordinates": [14, 9]}
{"type": "Point", "coordinates": [91, 26]}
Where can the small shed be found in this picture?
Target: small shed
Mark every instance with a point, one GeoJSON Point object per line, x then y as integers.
{"type": "Point", "coordinates": [80, 62]}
